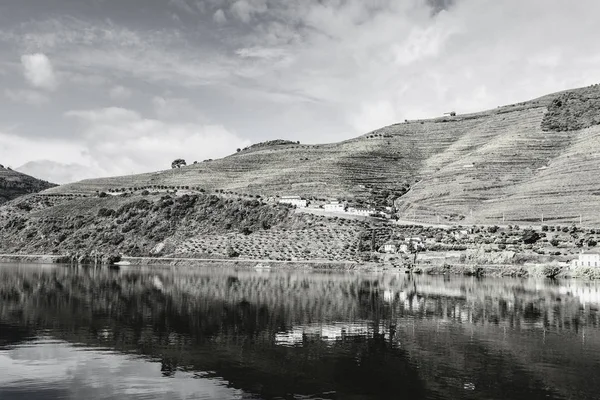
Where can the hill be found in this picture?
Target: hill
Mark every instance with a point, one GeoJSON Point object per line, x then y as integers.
{"type": "Point", "coordinates": [14, 184]}
{"type": "Point", "coordinates": [516, 162]}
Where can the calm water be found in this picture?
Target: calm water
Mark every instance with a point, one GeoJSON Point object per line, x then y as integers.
{"type": "Point", "coordinates": [214, 333]}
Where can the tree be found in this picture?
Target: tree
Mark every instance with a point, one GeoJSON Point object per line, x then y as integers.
{"type": "Point", "coordinates": [530, 236]}
{"type": "Point", "coordinates": [238, 150]}
{"type": "Point", "coordinates": [232, 253]}
{"type": "Point", "coordinates": [178, 163]}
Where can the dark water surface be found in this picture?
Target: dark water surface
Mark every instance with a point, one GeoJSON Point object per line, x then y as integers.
{"type": "Point", "coordinates": [218, 333]}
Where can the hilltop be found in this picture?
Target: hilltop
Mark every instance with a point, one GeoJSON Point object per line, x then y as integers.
{"type": "Point", "coordinates": [516, 162]}
{"type": "Point", "coordinates": [14, 184]}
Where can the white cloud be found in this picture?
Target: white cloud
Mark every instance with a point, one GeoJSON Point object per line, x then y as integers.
{"type": "Point", "coordinates": [38, 71]}
{"type": "Point", "coordinates": [122, 141]}
{"type": "Point", "coordinates": [57, 172]}
{"type": "Point", "coordinates": [26, 96]}
{"type": "Point", "coordinates": [219, 17]}
{"type": "Point", "coordinates": [16, 150]}
{"type": "Point", "coordinates": [244, 10]}
{"type": "Point", "coordinates": [176, 109]}
{"type": "Point", "coordinates": [120, 93]}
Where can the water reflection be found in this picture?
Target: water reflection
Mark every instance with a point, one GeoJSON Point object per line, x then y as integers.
{"type": "Point", "coordinates": [222, 333]}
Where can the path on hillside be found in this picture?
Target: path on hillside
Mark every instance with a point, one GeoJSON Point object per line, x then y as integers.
{"type": "Point", "coordinates": [409, 222]}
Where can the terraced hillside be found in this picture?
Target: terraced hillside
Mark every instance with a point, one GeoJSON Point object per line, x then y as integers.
{"type": "Point", "coordinates": [516, 162]}
{"type": "Point", "coordinates": [14, 184]}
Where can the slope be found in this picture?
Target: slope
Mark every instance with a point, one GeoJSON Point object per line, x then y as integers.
{"type": "Point", "coordinates": [14, 184]}
{"type": "Point", "coordinates": [515, 162]}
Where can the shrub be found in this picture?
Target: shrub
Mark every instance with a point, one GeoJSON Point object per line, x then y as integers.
{"type": "Point", "coordinates": [102, 194]}
{"type": "Point", "coordinates": [232, 253]}
{"type": "Point", "coordinates": [492, 229]}
{"type": "Point", "coordinates": [544, 228]}
{"type": "Point", "coordinates": [530, 236]}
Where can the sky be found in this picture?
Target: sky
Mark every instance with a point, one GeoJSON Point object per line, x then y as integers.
{"type": "Point", "coordinates": [92, 88]}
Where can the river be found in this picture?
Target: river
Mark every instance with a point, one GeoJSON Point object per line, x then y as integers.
{"type": "Point", "coordinates": [221, 333]}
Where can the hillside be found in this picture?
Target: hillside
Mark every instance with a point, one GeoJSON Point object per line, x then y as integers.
{"type": "Point", "coordinates": [14, 184]}
{"type": "Point", "coordinates": [518, 162]}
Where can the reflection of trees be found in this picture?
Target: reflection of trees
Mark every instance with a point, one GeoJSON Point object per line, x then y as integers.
{"type": "Point", "coordinates": [229, 322]}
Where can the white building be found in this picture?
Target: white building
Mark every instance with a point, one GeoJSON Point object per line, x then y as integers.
{"type": "Point", "coordinates": [334, 206]}
{"type": "Point", "coordinates": [587, 260]}
{"type": "Point", "coordinates": [294, 200]}
{"type": "Point", "coordinates": [363, 212]}
{"type": "Point", "coordinates": [390, 247]}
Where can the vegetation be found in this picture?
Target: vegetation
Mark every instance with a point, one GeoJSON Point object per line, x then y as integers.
{"type": "Point", "coordinates": [572, 111]}
{"type": "Point", "coordinates": [14, 184]}
{"type": "Point", "coordinates": [178, 163]}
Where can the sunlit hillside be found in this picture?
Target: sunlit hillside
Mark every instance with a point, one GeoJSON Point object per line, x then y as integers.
{"type": "Point", "coordinates": [518, 161]}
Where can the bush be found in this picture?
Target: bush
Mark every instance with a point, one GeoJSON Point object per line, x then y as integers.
{"type": "Point", "coordinates": [232, 253]}
{"type": "Point", "coordinates": [145, 193]}
{"type": "Point", "coordinates": [554, 242]}
{"type": "Point", "coordinates": [544, 228]}
{"type": "Point", "coordinates": [530, 236]}
{"type": "Point", "coordinates": [493, 229]}
{"type": "Point", "coordinates": [102, 194]}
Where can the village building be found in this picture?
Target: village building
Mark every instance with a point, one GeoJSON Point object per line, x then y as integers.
{"type": "Point", "coordinates": [587, 259]}
{"type": "Point", "coordinates": [294, 201]}
{"type": "Point", "coordinates": [390, 247]}
{"type": "Point", "coordinates": [363, 212]}
{"type": "Point", "coordinates": [334, 206]}
{"type": "Point", "coordinates": [461, 234]}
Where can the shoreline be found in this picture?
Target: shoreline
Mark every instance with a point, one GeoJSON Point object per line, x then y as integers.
{"type": "Point", "coordinates": [480, 270]}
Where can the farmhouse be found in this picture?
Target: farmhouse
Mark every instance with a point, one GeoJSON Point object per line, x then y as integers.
{"type": "Point", "coordinates": [390, 247]}
{"type": "Point", "coordinates": [587, 260]}
{"type": "Point", "coordinates": [293, 200]}
{"type": "Point", "coordinates": [334, 206]}
{"type": "Point", "coordinates": [363, 212]}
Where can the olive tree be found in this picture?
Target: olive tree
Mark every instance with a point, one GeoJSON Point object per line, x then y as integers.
{"type": "Point", "coordinates": [180, 162]}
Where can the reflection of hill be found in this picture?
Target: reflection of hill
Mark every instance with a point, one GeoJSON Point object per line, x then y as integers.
{"type": "Point", "coordinates": [286, 332]}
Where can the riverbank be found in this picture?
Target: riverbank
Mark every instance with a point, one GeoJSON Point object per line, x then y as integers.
{"type": "Point", "coordinates": [550, 270]}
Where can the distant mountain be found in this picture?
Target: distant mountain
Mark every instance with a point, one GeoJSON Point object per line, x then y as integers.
{"type": "Point", "coordinates": [521, 161]}
{"type": "Point", "coordinates": [56, 172]}
{"type": "Point", "coordinates": [14, 184]}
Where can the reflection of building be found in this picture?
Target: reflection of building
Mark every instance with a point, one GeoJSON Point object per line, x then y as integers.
{"type": "Point", "coordinates": [326, 332]}
{"type": "Point", "coordinates": [587, 260]}
{"type": "Point", "coordinates": [588, 292]}
{"type": "Point", "coordinates": [293, 200]}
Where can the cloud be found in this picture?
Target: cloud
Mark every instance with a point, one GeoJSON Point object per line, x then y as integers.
{"type": "Point", "coordinates": [176, 109]}
{"type": "Point", "coordinates": [26, 96]}
{"type": "Point", "coordinates": [219, 17]}
{"type": "Point", "coordinates": [16, 149]}
{"type": "Point", "coordinates": [38, 71]}
{"type": "Point", "coordinates": [57, 172]}
{"type": "Point", "coordinates": [122, 141]}
{"type": "Point", "coordinates": [120, 93]}
{"type": "Point", "coordinates": [244, 10]}
{"type": "Point", "coordinates": [183, 5]}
